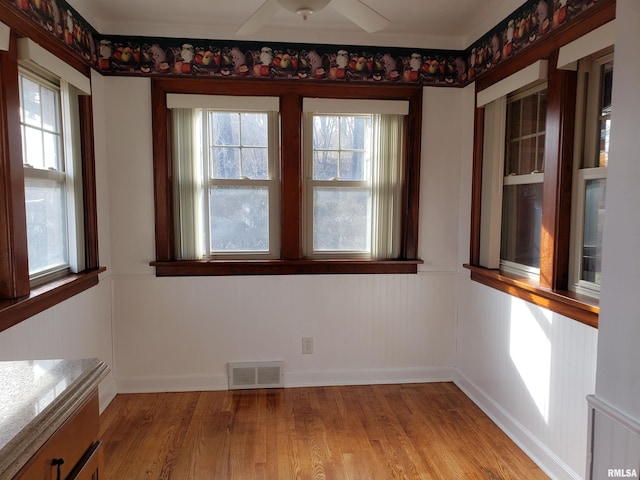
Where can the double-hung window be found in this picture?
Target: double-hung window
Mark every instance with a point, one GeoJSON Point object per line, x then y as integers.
{"type": "Point", "coordinates": [523, 181]}
{"type": "Point", "coordinates": [52, 174]}
{"type": "Point", "coordinates": [225, 152]}
{"type": "Point", "coordinates": [595, 75]}
{"type": "Point", "coordinates": [353, 168]}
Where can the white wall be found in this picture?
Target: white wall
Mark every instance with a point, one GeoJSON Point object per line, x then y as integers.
{"type": "Point", "coordinates": [81, 326]}
{"type": "Point", "coordinates": [617, 426]}
{"type": "Point", "coordinates": [178, 333]}
{"type": "Point", "coordinates": [528, 368]}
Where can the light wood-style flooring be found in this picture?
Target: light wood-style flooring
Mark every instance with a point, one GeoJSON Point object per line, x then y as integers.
{"type": "Point", "coordinates": [417, 431]}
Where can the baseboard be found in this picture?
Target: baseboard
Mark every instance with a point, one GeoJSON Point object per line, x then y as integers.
{"type": "Point", "coordinates": [320, 378]}
{"type": "Point", "coordinates": [106, 392]}
{"type": "Point", "coordinates": [176, 383]}
{"type": "Point", "coordinates": [548, 461]}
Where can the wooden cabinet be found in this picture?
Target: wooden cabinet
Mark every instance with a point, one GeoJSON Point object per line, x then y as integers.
{"type": "Point", "coordinates": [74, 448]}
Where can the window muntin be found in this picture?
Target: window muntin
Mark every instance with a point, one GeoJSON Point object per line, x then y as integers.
{"type": "Point", "coordinates": [45, 176]}
{"type": "Point", "coordinates": [523, 181]}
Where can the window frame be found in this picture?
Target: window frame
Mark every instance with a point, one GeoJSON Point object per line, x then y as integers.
{"type": "Point", "coordinates": [291, 259]}
{"type": "Point", "coordinates": [18, 299]}
{"type": "Point", "coordinates": [552, 290]}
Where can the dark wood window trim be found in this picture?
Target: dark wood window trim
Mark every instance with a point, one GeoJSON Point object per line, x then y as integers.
{"type": "Point", "coordinates": [291, 259]}
{"type": "Point", "coordinates": [17, 300]}
{"type": "Point", "coordinates": [552, 290]}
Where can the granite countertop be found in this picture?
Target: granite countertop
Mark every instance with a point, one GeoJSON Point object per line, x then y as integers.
{"type": "Point", "coordinates": [36, 397]}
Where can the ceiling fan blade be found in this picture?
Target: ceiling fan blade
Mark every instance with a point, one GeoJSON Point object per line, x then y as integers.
{"type": "Point", "coordinates": [360, 14]}
{"type": "Point", "coordinates": [255, 22]}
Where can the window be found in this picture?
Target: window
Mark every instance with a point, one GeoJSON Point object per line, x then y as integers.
{"type": "Point", "coordinates": [539, 173]}
{"type": "Point", "coordinates": [353, 179]}
{"type": "Point", "coordinates": [225, 177]}
{"type": "Point", "coordinates": [595, 76]}
{"type": "Point", "coordinates": [297, 178]}
{"type": "Point", "coordinates": [523, 180]}
{"type": "Point", "coordinates": [52, 196]}
{"type": "Point", "coordinates": [47, 185]}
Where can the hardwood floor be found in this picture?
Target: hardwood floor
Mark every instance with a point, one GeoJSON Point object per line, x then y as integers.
{"type": "Point", "coordinates": [418, 431]}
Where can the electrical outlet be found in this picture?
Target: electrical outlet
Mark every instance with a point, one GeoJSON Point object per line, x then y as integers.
{"type": "Point", "coordinates": [307, 345]}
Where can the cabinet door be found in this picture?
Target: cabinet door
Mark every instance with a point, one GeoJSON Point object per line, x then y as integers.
{"type": "Point", "coordinates": [88, 467]}
{"type": "Point", "coordinates": [69, 444]}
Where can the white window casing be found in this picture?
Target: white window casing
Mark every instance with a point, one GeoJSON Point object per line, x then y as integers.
{"type": "Point", "coordinates": [594, 41]}
{"type": "Point", "coordinates": [527, 76]}
{"type": "Point", "coordinates": [29, 51]}
{"type": "Point", "coordinates": [5, 36]}
{"type": "Point", "coordinates": [232, 103]}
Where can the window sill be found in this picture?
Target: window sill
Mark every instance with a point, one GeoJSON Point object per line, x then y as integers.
{"type": "Point", "coordinates": [283, 267]}
{"type": "Point", "coordinates": [581, 308]}
{"type": "Point", "coordinates": [46, 296]}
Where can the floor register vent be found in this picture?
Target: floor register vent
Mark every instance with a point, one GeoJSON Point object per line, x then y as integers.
{"type": "Point", "coordinates": [245, 375]}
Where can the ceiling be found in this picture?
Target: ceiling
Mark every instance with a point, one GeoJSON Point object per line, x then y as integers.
{"type": "Point", "coordinates": [446, 24]}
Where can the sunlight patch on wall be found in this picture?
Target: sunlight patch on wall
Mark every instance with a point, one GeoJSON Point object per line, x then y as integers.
{"type": "Point", "coordinates": [530, 351]}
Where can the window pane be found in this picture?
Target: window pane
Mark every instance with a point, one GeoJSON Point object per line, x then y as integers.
{"type": "Point", "coordinates": [529, 114]}
{"type": "Point", "coordinates": [325, 164]}
{"type": "Point", "coordinates": [593, 227]}
{"type": "Point", "coordinates": [540, 157]}
{"type": "Point", "coordinates": [225, 128]}
{"type": "Point", "coordinates": [513, 119]}
{"type": "Point", "coordinates": [512, 161]}
{"type": "Point", "coordinates": [46, 224]}
{"type": "Point", "coordinates": [341, 219]}
{"type": "Point", "coordinates": [353, 131]}
{"type": "Point", "coordinates": [542, 111]}
{"type": "Point", "coordinates": [255, 130]}
{"type": "Point", "coordinates": [32, 142]}
{"type": "Point", "coordinates": [31, 102]}
{"type": "Point", "coordinates": [521, 224]}
{"type": "Point", "coordinates": [605, 113]}
{"type": "Point", "coordinates": [49, 110]}
{"type": "Point", "coordinates": [239, 219]}
{"type": "Point", "coordinates": [529, 156]}
{"type": "Point", "coordinates": [326, 132]}
{"type": "Point", "coordinates": [255, 163]}
{"type": "Point", "coordinates": [51, 145]}
{"type": "Point", "coordinates": [226, 162]}
{"type": "Point", "coordinates": [352, 166]}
